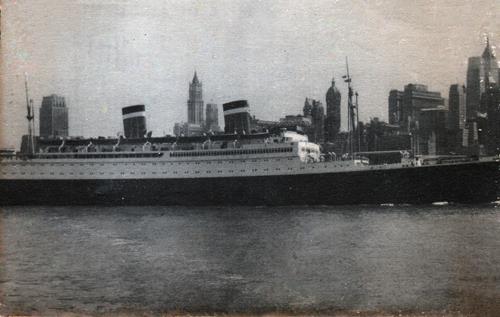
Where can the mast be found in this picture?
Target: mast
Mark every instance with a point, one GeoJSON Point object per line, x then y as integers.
{"type": "Point", "coordinates": [350, 109]}
{"type": "Point", "coordinates": [30, 116]}
{"type": "Point", "coordinates": [357, 122]}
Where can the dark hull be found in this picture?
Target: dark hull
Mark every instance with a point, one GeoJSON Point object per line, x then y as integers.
{"type": "Point", "coordinates": [465, 183]}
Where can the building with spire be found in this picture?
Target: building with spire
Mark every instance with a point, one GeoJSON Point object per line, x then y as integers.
{"type": "Point", "coordinates": [482, 71]}
{"type": "Point", "coordinates": [195, 102]}
{"type": "Point", "coordinates": [332, 121]}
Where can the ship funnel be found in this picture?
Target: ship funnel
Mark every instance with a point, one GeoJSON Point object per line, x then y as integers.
{"type": "Point", "coordinates": [134, 121]}
{"type": "Point", "coordinates": [236, 117]}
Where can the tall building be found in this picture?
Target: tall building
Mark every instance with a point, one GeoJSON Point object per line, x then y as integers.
{"type": "Point", "coordinates": [490, 101]}
{"type": "Point", "coordinates": [134, 121]}
{"type": "Point", "coordinates": [482, 71]}
{"type": "Point", "coordinates": [318, 122]}
{"type": "Point", "coordinates": [395, 106]}
{"type": "Point", "coordinates": [212, 118]}
{"type": "Point", "coordinates": [195, 101]}
{"type": "Point", "coordinates": [53, 117]}
{"type": "Point", "coordinates": [457, 110]}
{"type": "Point", "coordinates": [237, 117]}
{"type": "Point", "coordinates": [332, 121]}
{"type": "Point", "coordinates": [405, 106]}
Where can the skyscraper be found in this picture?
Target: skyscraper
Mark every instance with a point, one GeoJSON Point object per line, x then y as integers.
{"type": "Point", "coordinates": [212, 118]}
{"type": "Point", "coordinates": [318, 122]}
{"type": "Point", "coordinates": [457, 115]}
{"type": "Point", "coordinates": [405, 106]}
{"type": "Point", "coordinates": [195, 101]}
{"type": "Point", "coordinates": [395, 106]}
{"type": "Point", "coordinates": [53, 117]}
{"type": "Point", "coordinates": [482, 71]}
{"type": "Point", "coordinates": [332, 122]}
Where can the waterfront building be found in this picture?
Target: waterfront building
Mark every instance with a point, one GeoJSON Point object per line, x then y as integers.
{"type": "Point", "coordinates": [378, 135]}
{"type": "Point", "coordinates": [433, 137]}
{"type": "Point", "coordinates": [134, 121]}
{"type": "Point", "coordinates": [212, 118]}
{"type": "Point", "coordinates": [187, 129]}
{"type": "Point", "coordinates": [53, 117]}
{"type": "Point", "coordinates": [195, 101]}
{"type": "Point", "coordinates": [237, 117]}
{"type": "Point", "coordinates": [481, 72]}
{"type": "Point", "coordinates": [332, 121]}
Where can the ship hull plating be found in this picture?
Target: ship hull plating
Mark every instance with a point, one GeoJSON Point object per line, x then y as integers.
{"type": "Point", "coordinates": [464, 183]}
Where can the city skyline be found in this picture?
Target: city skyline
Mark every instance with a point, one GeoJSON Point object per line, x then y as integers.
{"type": "Point", "coordinates": [122, 57]}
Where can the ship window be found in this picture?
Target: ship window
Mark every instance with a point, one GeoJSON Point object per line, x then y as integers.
{"type": "Point", "coordinates": [209, 172]}
{"type": "Point", "coordinates": [175, 172]}
{"type": "Point", "coordinates": [242, 171]}
{"type": "Point", "coordinates": [153, 173]}
{"type": "Point", "coordinates": [186, 172]}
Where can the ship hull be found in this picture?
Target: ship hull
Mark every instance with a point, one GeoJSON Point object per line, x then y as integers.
{"type": "Point", "coordinates": [464, 183]}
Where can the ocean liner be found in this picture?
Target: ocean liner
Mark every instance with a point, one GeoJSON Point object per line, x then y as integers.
{"type": "Point", "coordinates": [254, 169]}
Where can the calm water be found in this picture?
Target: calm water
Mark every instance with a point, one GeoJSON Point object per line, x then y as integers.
{"type": "Point", "coordinates": [93, 259]}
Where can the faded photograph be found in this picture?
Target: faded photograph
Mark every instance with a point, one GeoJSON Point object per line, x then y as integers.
{"type": "Point", "coordinates": [249, 158]}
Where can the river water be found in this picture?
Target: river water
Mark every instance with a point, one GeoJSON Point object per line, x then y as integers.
{"type": "Point", "coordinates": [246, 259]}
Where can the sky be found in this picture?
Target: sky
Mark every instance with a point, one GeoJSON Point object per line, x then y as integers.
{"type": "Point", "coordinates": [102, 55]}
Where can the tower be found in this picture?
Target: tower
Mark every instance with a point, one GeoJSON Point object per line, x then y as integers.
{"type": "Point", "coordinates": [332, 122]}
{"type": "Point", "coordinates": [195, 101]}
{"type": "Point", "coordinates": [307, 110]}
{"type": "Point", "coordinates": [53, 117]}
{"type": "Point", "coordinates": [482, 71]}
